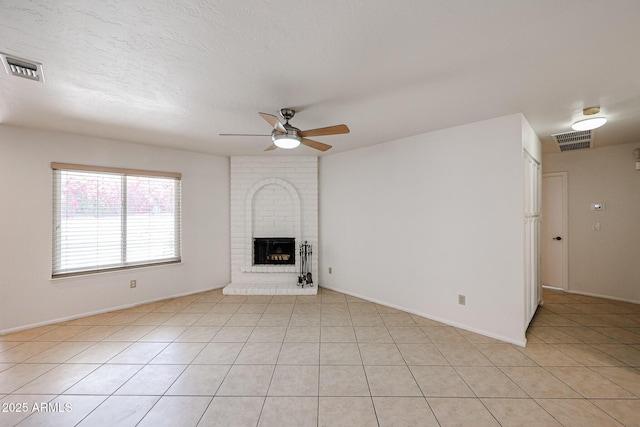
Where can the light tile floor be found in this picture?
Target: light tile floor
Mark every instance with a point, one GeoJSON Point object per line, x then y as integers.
{"type": "Point", "coordinates": [322, 360]}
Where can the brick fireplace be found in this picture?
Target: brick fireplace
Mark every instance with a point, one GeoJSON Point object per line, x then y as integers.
{"type": "Point", "coordinates": [272, 198]}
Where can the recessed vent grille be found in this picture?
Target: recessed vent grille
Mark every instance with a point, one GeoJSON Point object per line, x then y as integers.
{"type": "Point", "coordinates": [573, 140]}
{"type": "Point", "coordinates": [22, 68]}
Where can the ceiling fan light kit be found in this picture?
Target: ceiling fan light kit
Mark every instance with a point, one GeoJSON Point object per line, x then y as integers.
{"type": "Point", "coordinates": [286, 141]}
{"type": "Point", "coordinates": [591, 122]}
{"type": "Point", "coordinates": [287, 136]}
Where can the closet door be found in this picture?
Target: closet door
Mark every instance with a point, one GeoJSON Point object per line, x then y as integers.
{"type": "Point", "coordinates": [533, 285]}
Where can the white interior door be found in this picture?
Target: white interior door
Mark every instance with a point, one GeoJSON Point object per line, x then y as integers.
{"type": "Point", "coordinates": [554, 230]}
{"type": "Point", "coordinates": [532, 282]}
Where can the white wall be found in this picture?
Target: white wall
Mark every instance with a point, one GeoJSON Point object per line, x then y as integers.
{"type": "Point", "coordinates": [605, 262]}
{"type": "Point", "coordinates": [415, 222]}
{"type": "Point", "coordinates": [28, 296]}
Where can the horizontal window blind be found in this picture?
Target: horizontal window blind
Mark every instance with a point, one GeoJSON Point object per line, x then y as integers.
{"type": "Point", "coordinates": [108, 218]}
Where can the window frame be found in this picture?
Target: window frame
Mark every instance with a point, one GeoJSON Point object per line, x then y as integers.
{"type": "Point", "coordinates": [56, 271]}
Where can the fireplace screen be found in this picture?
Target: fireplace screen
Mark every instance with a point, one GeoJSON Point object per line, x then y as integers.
{"type": "Point", "coordinates": [274, 250]}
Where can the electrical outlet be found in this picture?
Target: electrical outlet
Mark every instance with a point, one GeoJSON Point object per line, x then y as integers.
{"type": "Point", "coordinates": [132, 284]}
{"type": "Point", "coordinates": [462, 300]}
{"type": "Point", "coordinates": [330, 270]}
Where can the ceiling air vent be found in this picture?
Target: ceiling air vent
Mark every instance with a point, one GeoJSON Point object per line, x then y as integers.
{"type": "Point", "coordinates": [573, 140]}
{"type": "Point", "coordinates": [22, 68]}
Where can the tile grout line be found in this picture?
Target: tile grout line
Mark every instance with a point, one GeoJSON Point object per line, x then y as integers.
{"type": "Point", "coordinates": [545, 367]}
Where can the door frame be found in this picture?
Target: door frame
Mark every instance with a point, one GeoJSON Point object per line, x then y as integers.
{"type": "Point", "coordinates": [565, 225]}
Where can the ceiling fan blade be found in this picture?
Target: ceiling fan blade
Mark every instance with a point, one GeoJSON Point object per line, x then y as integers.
{"type": "Point", "coordinates": [329, 130]}
{"type": "Point", "coordinates": [271, 147]}
{"type": "Point", "coordinates": [315, 144]}
{"type": "Point", "coordinates": [243, 134]}
{"type": "Point", "coordinates": [273, 121]}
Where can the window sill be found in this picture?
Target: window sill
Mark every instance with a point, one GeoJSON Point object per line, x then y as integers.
{"type": "Point", "coordinates": [113, 272]}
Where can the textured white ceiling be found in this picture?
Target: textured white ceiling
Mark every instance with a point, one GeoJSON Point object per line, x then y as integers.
{"type": "Point", "coordinates": [177, 73]}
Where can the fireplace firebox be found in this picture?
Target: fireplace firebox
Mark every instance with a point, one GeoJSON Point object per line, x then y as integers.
{"type": "Point", "coordinates": [274, 250]}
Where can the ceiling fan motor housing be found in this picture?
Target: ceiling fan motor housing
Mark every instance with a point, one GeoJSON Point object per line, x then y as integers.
{"type": "Point", "coordinates": [287, 113]}
{"type": "Point", "coordinates": [291, 130]}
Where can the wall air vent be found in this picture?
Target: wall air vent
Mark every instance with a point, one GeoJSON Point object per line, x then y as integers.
{"type": "Point", "coordinates": [22, 68]}
{"type": "Point", "coordinates": [569, 141]}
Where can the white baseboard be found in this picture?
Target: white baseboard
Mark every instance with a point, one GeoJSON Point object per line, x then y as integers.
{"type": "Point", "coordinates": [106, 310]}
{"type": "Point", "coordinates": [435, 318]}
{"type": "Point", "coordinates": [589, 294]}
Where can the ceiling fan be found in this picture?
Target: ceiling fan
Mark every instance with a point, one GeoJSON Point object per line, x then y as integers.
{"type": "Point", "coordinates": [286, 136]}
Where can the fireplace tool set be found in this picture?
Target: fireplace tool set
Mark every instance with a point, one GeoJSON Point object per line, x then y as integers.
{"type": "Point", "coordinates": [305, 265]}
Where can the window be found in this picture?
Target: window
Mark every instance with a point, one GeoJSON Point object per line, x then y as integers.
{"type": "Point", "coordinates": [107, 218]}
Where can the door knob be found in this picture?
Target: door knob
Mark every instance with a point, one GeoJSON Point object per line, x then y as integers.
{"type": "Point", "coordinates": [557, 238]}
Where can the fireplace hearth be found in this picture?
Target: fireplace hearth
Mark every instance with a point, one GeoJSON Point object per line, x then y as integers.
{"type": "Point", "coordinates": [274, 251]}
